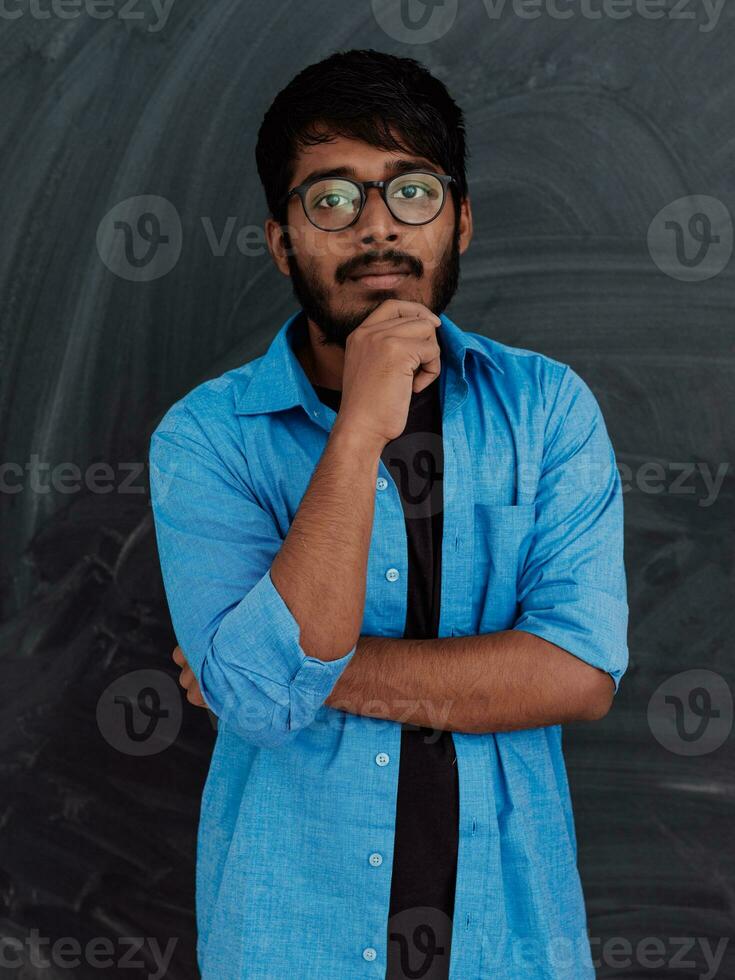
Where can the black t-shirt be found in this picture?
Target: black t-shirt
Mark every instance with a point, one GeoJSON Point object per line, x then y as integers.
{"type": "Point", "coordinates": [427, 808]}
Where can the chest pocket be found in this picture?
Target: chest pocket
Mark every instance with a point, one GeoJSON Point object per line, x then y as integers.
{"type": "Point", "coordinates": [503, 534]}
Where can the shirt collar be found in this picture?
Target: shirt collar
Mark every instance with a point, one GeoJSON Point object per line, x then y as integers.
{"type": "Point", "coordinates": [278, 381]}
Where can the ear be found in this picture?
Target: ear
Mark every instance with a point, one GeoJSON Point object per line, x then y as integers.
{"type": "Point", "coordinates": [465, 225]}
{"type": "Point", "coordinates": [276, 245]}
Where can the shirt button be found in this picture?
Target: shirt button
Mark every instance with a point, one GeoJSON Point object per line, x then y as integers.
{"type": "Point", "coordinates": [382, 758]}
{"type": "Point", "coordinates": [369, 953]}
{"type": "Point", "coordinates": [381, 483]}
{"type": "Point", "coordinates": [392, 574]}
{"type": "Point", "coordinates": [376, 859]}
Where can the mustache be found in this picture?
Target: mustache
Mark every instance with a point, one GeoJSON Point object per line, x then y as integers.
{"type": "Point", "coordinates": [363, 264]}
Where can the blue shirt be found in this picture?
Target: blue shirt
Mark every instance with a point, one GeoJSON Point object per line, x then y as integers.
{"type": "Point", "coordinates": [297, 819]}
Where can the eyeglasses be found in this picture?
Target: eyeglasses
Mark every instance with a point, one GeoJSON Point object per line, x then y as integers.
{"type": "Point", "coordinates": [336, 203]}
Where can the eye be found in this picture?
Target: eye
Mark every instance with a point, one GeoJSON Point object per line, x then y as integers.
{"type": "Point", "coordinates": [412, 192]}
{"type": "Point", "coordinates": [331, 200]}
{"type": "Point", "coordinates": [416, 188]}
{"type": "Point", "coordinates": [332, 194]}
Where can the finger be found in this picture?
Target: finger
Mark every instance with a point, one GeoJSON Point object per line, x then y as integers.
{"type": "Point", "coordinates": [178, 655]}
{"type": "Point", "coordinates": [397, 309]}
{"type": "Point", "coordinates": [196, 693]}
{"type": "Point", "coordinates": [430, 366]}
{"type": "Point", "coordinates": [426, 374]}
{"type": "Point", "coordinates": [420, 326]}
{"type": "Point", "coordinates": [194, 696]}
{"type": "Point", "coordinates": [186, 677]}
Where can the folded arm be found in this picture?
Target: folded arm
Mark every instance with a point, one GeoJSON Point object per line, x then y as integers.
{"type": "Point", "coordinates": [265, 631]}
{"type": "Point", "coordinates": [561, 660]}
{"type": "Point", "coordinates": [565, 653]}
{"type": "Point", "coordinates": [489, 683]}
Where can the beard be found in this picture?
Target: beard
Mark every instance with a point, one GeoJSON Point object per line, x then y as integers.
{"type": "Point", "coordinates": [318, 301]}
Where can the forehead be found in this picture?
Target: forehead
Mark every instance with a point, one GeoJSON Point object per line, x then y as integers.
{"type": "Point", "coordinates": [355, 158]}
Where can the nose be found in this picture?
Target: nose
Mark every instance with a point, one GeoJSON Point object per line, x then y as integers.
{"type": "Point", "coordinates": [376, 220]}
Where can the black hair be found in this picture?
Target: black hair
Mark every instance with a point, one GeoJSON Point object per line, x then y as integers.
{"type": "Point", "coordinates": [359, 94]}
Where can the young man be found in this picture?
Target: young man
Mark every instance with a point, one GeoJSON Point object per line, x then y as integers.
{"type": "Point", "coordinates": [393, 555]}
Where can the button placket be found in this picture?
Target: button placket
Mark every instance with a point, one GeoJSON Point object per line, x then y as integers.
{"type": "Point", "coordinates": [455, 614]}
{"type": "Point", "coordinates": [375, 859]}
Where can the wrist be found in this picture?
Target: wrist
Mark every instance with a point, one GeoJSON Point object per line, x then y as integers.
{"type": "Point", "coordinates": [356, 440]}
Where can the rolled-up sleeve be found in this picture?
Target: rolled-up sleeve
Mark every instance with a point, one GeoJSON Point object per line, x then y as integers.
{"type": "Point", "coordinates": [572, 586]}
{"type": "Point", "coordinates": [216, 544]}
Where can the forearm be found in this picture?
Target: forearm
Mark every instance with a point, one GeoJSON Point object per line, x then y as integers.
{"type": "Point", "coordinates": [321, 568]}
{"type": "Point", "coordinates": [492, 682]}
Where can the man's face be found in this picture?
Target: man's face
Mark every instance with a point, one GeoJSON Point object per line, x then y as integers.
{"type": "Point", "coordinates": [324, 265]}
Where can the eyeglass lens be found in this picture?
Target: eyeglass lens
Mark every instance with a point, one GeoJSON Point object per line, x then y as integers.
{"type": "Point", "coordinates": [333, 202]}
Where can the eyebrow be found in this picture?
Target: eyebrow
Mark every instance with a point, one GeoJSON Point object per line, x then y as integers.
{"type": "Point", "coordinates": [391, 168]}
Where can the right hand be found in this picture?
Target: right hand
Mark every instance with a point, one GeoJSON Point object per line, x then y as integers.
{"type": "Point", "coordinates": [391, 355]}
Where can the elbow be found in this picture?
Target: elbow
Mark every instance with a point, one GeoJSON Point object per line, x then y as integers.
{"type": "Point", "coordinates": [595, 714]}
{"type": "Point", "coordinates": [267, 712]}
{"type": "Point", "coordinates": [598, 696]}
{"type": "Point", "coordinates": [268, 689]}
{"type": "Point", "coordinates": [255, 711]}
{"type": "Point", "coordinates": [250, 723]}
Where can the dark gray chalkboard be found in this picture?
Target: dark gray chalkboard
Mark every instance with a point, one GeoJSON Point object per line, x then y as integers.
{"type": "Point", "coordinates": [581, 130]}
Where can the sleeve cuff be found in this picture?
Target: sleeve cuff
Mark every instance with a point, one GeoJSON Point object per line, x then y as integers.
{"type": "Point", "coordinates": [276, 663]}
{"type": "Point", "coordinates": [588, 623]}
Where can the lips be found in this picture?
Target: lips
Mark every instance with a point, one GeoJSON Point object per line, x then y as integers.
{"type": "Point", "coordinates": [383, 270]}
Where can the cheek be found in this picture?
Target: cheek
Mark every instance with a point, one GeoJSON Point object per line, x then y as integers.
{"type": "Point", "coordinates": [434, 250]}
{"type": "Point", "coordinates": [312, 248]}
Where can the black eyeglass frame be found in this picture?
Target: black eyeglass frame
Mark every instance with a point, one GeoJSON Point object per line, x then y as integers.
{"type": "Point", "coordinates": [362, 185]}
